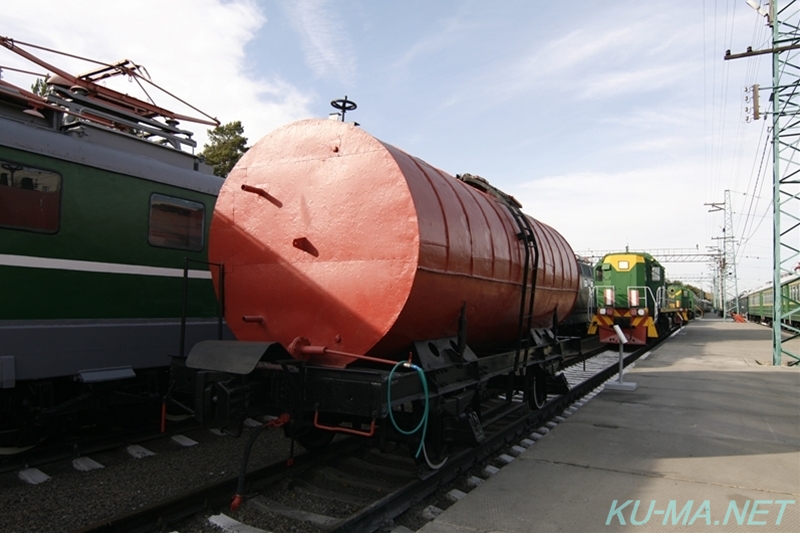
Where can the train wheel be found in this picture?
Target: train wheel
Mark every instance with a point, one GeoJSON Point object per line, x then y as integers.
{"type": "Point", "coordinates": [537, 395]}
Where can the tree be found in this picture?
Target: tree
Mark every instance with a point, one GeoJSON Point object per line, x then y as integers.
{"type": "Point", "coordinates": [698, 291]}
{"type": "Point", "coordinates": [227, 146]}
{"type": "Point", "coordinates": [40, 87]}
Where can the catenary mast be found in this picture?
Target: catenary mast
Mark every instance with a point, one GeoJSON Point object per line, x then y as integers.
{"type": "Point", "coordinates": [784, 18]}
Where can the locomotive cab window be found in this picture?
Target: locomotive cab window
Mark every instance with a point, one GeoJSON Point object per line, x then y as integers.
{"type": "Point", "coordinates": [655, 274]}
{"type": "Point", "coordinates": [30, 198]}
{"type": "Point", "coordinates": [176, 223]}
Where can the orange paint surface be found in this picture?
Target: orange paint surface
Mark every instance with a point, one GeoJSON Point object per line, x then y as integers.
{"type": "Point", "coordinates": [329, 234]}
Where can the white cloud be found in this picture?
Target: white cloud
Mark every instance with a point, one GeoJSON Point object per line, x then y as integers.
{"type": "Point", "coordinates": [626, 109]}
{"type": "Point", "coordinates": [635, 207]}
{"type": "Point", "coordinates": [603, 85]}
{"type": "Point", "coordinates": [193, 48]}
{"type": "Point", "coordinates": [604, 58]}
{"type": "Point", "coordinates": [447, 33]}
{"type": "Point", "coordinates": [328, 50]}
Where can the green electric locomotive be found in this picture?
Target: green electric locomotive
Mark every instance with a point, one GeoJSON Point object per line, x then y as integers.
{"type": "Point", "coordinates": [100, 210]}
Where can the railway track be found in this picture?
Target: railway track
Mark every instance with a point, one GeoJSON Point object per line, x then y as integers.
{"type": "Point", "coordinates": [353, 486]}
{"type": "Point", "coordinates": [123, 428]}
{"type": "Point", "coordinates": [88, 437]}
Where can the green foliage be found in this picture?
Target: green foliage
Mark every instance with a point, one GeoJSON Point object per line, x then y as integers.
{"type": "Point", "coordinates": [698, 291]}
{"type": "Point", "coordinates": [227, 146]}
{"type": "Point", "coordinates": [40, 87]}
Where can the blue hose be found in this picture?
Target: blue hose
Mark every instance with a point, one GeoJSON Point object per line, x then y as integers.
{"type": "Point", "coordinates": [423, 423]}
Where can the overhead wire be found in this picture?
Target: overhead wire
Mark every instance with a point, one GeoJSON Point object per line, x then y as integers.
{"type": "Point", "coordinates": [756, 174]}
{"type": "Point", "coordinates": [756, 192]}
{"type": "Point", "coordinates": [726, 169]}
{"type": "Point", "coordinates": [761, 219]}
{"type": "Point", "coordinates": [725, 82]}
{"type": "Point", "coordinates": [719, 98]}
{"type": "Point", "coordinates": [751, 73]}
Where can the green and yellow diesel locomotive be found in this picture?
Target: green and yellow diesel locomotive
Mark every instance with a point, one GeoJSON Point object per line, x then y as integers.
{"type": "Point", "coordinates": [684, 300]}
{"type": "Point", "coordinates": [631, 292]}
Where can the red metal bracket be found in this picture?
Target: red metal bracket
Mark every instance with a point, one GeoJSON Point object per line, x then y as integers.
{"type": "Point", "coordinates": [339, 429]}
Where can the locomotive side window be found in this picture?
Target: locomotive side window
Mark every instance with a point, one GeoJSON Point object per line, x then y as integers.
{"type": "Point", "coordinates": [176, 223]}
{"type": "Point", "coordinates": [30, 198]}
{"type": "Point", "coordinates": [655, 273]}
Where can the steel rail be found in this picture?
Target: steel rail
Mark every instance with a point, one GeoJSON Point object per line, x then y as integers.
{"type": "Point", "coordinates": [374, 516]}
{"type": "Point", "coordinates": [214, 495]}
{"type": "Point", "coordinates": [218, 495]}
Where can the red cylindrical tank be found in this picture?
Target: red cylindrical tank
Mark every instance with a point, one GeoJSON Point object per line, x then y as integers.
{"type": "Point", "coordinates": [329, 234]}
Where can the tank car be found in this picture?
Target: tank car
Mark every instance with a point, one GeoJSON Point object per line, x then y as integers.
{"type": "Point", "coordinates": [630, 290]}
{"type": "Point", "coordinates": [382, 281]}
{"type": "Point", "coordinates": [100, 210]}
{"type": "Point", "coordinates": [578, 321]}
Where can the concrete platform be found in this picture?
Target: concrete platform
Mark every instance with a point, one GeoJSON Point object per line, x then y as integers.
{"type": "Point", "coordinates": [709, 441]}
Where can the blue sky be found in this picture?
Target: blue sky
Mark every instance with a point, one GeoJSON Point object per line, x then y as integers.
{"type": "Point", "coordinates": [613, 122]}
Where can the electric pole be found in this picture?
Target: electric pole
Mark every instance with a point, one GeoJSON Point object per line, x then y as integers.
{"type": "Point", "coordinates": [727, 270]}
{"type": "Point", "coordinates": [783, 16]}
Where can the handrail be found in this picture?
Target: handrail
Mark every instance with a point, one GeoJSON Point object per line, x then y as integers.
{"type": "Point", "coordinates": [528, 237]}
{"type": "Point", "coordinates": [656, 298]}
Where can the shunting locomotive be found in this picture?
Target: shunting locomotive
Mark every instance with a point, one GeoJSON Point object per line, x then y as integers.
{"type": "Point", "coordinates": [684, 300]}
{"type": "Point", "coordinates": [631, 293]}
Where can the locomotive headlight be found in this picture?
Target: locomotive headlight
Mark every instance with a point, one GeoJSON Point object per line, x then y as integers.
{"type": "Point", "coordinates": [602, 310]}
{"type": "Point", "coordinates": [640, 312]}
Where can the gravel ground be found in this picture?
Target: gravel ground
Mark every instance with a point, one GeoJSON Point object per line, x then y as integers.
{"type": "Point", "coordinates": [73, 499]}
